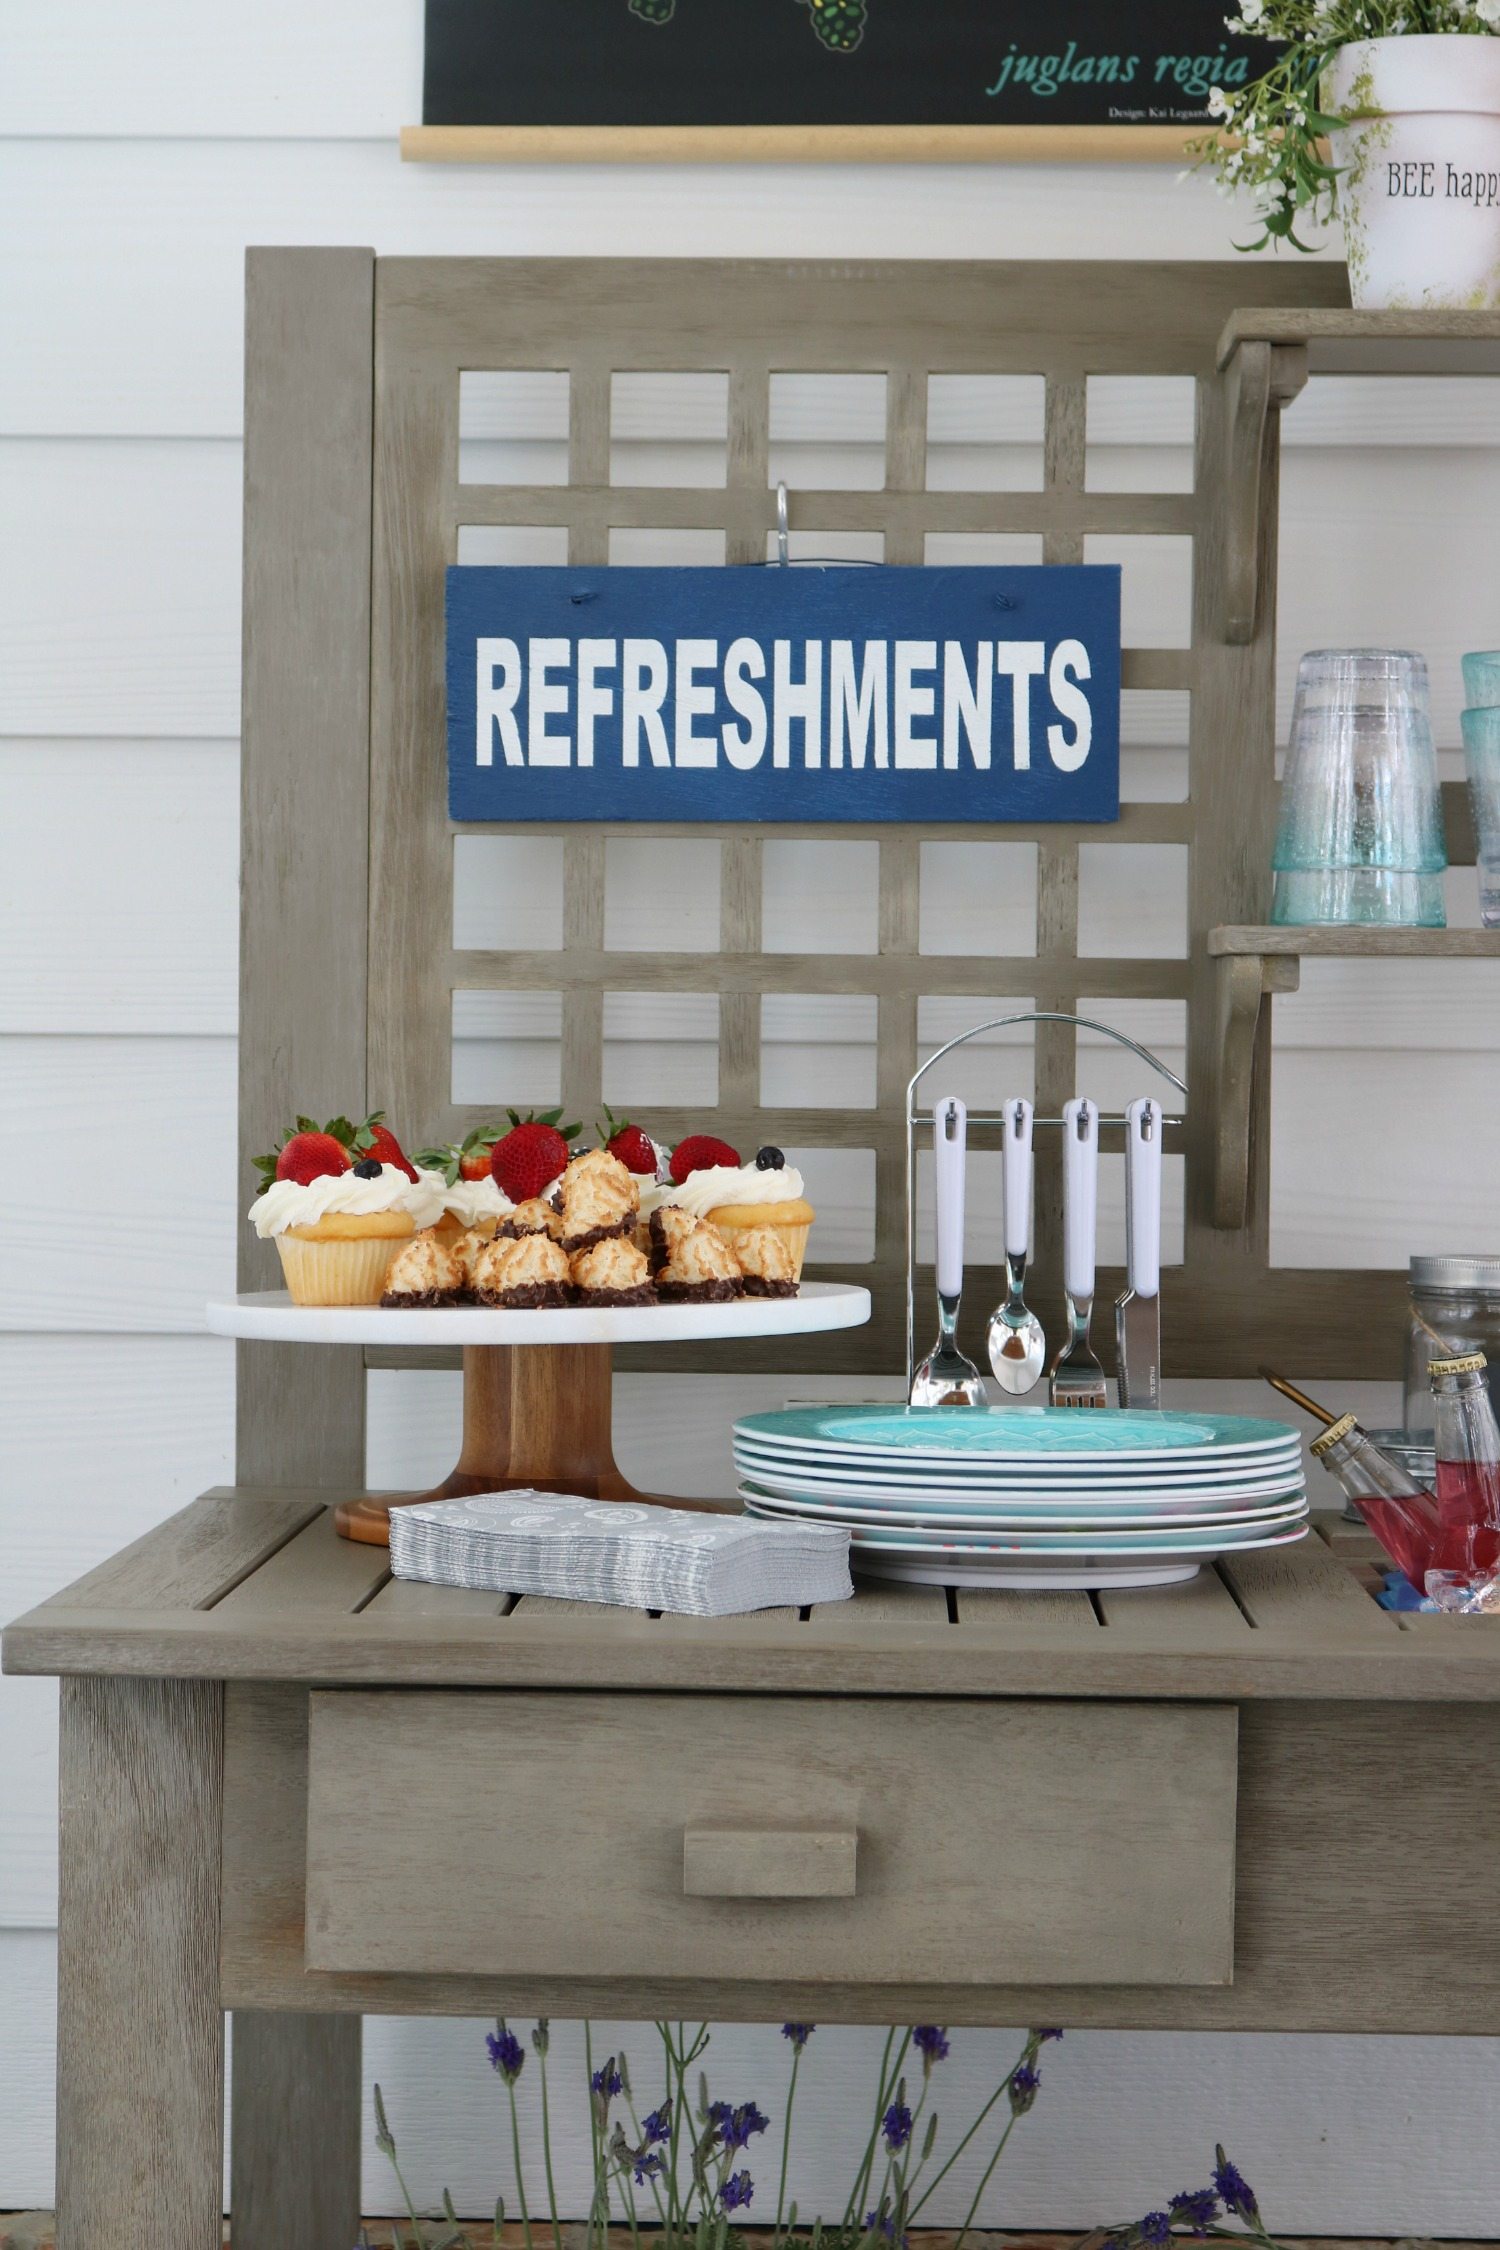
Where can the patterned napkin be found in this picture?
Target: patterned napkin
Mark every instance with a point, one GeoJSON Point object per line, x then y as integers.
{"type": "Point", "coordinates": [614, 1551]}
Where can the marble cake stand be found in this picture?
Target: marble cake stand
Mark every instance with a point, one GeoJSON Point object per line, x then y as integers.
{"type": "Point", "coordinates": [537, 1385]}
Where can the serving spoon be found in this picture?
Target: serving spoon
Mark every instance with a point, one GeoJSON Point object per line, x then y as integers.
{"type": "Point", "coordinates": [1016, 1343]}
{"type": "Point", "coordinates": [946, 1377]}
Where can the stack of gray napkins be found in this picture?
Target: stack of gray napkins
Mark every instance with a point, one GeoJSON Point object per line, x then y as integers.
{"type": "Point", "coordinates": [615, 1551]}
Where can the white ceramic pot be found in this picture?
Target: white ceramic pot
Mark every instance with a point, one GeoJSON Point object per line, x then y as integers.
{"type": "Point", "coordinates": [1420, 181]}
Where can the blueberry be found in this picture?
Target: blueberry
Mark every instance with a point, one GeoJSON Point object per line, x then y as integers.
{"type": "Point", "coordinates": [769, 1160]}
{"type": "Point", "coordinates": [370, 1169]}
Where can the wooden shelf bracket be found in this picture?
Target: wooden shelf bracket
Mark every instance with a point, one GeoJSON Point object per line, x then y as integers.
{"type": "Point", "coordinates": [1260, 379]}
{"type": "Point", "coordinates": [1243, 981]}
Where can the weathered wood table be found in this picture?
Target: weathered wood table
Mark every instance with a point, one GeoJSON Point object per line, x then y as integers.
{"type": "Point", "coordinates": [295, 1788]}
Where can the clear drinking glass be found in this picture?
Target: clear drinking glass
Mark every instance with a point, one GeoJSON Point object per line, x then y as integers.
{"type": "Point", "coordinates": [1361, 833]}
{"type": "Point", "coordinates": [1481, 727]}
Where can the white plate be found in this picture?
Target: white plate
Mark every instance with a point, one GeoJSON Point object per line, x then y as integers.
{"type": "Point", "coordinates": [1085, 1546]}
{"type": "Point", "coordinates": [1020, 1492]}
{"type": "Point", "coordinates": [1284, 1509]}
{"type": "Point", "coordinates": [1085, 1578]}
{"type": "Point", "coordinates": [270, 1316]}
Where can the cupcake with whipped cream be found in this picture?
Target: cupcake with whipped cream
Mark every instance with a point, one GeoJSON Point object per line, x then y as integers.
{"type": "Point", "coordinates": [338, 1215]}
{"type": "Point", "coordinates": [708, 1180]}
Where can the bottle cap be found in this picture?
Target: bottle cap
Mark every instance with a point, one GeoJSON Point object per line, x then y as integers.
{"type": "Point", "coordinates": [1478, 1275]}
{"type": "Point", "coordinates": [1331, 1436]}
{"type": "Point", "coordinates": [1467, 1363]}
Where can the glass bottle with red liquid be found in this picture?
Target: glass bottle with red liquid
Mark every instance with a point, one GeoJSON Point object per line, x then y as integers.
{"type": "Point", "coordinates": [1467, 1443]}
{"type": "Point", "coordinates": [1403, 1515]}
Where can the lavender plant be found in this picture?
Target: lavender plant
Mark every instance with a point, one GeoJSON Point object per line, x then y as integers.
{"type": "Point", "coordinates": [680, 2174]}
{"type": "Point", "coordinates": [1270, 132]}
{"type": "Point", "coordinates": [1194, 2215]}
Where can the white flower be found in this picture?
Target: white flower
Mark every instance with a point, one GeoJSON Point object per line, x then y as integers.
{"type": "Point", "coordinates": [1489, 12]}
{"type": "Point", "coordinates": [1251, 11]}
{"type": "Point", "coordinates": [1219, 104]}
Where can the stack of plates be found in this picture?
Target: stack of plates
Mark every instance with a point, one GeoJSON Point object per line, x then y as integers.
{"type": "Point", "coordinates": [1032, 1496]}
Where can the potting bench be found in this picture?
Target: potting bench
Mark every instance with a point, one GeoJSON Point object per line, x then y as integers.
{"type": "Point", "coordinates": [298, 1790]}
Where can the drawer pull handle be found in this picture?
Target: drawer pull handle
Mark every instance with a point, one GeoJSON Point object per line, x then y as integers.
{"type": "Point", "coordinates": [768, 1862]}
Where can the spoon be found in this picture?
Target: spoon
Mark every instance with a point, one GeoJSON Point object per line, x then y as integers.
{"type": "Point", "coordinates": [945, 1377]}
{"type": "Point", "coordinates": [1017, 1346]}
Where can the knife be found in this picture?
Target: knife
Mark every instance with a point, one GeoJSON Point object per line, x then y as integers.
{"type": "Point", "coordinates": [1138, 1311]}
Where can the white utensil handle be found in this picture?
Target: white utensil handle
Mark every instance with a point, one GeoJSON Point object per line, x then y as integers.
{"type": "Point", "coordinates": [1017, 1163]}
{"type": "Point", "coordinates": [1143, 1197]}
{"type": "Point", "coordinates": [950, 1132]}
{"type": "Point", "coordinates": [1080, 1195]}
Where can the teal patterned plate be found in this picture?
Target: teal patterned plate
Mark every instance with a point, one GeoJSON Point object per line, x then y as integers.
{"type": "Point", "coordinates": [1008, 1434]}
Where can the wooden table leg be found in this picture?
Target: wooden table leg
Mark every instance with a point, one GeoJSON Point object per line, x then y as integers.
{"type": "Point", "coordinates": [534, 1415]}
{"type": "Point", "coordinates": [140, 2035]}
{"type": "Point", "coordinates": [294, 2131]}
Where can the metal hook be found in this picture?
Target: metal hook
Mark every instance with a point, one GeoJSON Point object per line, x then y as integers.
{"type": "Point", "coordinates": [783, 533]}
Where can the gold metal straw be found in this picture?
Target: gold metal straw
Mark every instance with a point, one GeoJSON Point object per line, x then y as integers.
{"type": "Point", "coordinates": [1299, 1398]}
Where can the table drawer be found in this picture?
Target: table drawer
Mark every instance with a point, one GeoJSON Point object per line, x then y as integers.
{"type": "Point", "coordinates": [770, 1838]}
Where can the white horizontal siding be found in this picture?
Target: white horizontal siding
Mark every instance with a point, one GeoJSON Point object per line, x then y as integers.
{"type": "Point", "coordinates": [139, 152]}
{"type": "Point", "coordinates": [105, 1435]}
{"type": "Point", "coordinates": [124, 619]}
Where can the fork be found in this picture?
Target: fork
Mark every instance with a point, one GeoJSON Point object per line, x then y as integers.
{"type": "Point", "coordinates": [1077, 1377]}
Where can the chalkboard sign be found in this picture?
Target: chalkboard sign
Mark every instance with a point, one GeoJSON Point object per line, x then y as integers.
{"type": "Point", "coordinates": [784, 694]}
{"type": "Point", "coordinates": [829, 62]}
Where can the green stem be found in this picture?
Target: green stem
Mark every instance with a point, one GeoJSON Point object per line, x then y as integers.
{"type": "Point", "coordinates": [635, 2124]}
{"type": "Point", "coordinates": [938, 2177]}
{"type": "Point", "coordinates": [411, 2209]}
{"type": "Point", "coordinates": [515, 2142]}
{"type": "Point", "coordinates": [588, 2064]}
{"type": "Point", "coordinates": [674, 2208]}
{"type": "Point", "coordinates": [984, 2183]}
{"type": "Point", "coordinates": [547, 2156]}
{"type": "Point", "coordinates": [786, 2144]}
{"type": "Point", "coordinates": [869, 2155]}
{"type": "Point", "coordinates": [887, 2095]}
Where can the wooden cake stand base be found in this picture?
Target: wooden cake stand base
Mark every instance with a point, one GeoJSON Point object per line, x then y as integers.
{"type": "Point", "coordinates": [537, 1385]}
{"type": "Point", "coordinates": [535, 1416]}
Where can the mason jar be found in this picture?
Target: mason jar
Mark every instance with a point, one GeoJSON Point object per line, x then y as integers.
{"type": "Point", "coordinates": [1457, 1300]}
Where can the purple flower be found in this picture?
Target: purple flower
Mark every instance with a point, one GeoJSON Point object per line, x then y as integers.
{"type": "Point", "coordinates": [736, 2191]}
{"type": "Point", "coordinates": [607, 2081]}
{"type": "Point", "coordinates": [656, 2126]}
{"type": "Point", "coordinates": [897, 2123]}
{"type": "Point", "coordinates": [931, 2042]}
{"type": "Point", "coordinates": [881, 2223]}
{"type": "Point", "coordinates": [798, 2033]}
{"type": "Point", "coordinates": [1231, 2184]}
{"type": "Point", "coordinates": [647, 2166]}
{"type": "Point", "coordinates": [736, 2125]}
{"type": "Point", "coordinates": [1024, 2083]}
{"type": "Point", "coordinates": [1196, 2209]}
{"type": "Point", "coordinates": [1041, 2037]}
{"type": "Point", "coordinates": [1156, 2227]}
{"type": "Point", "coordinates": [505, 2052]}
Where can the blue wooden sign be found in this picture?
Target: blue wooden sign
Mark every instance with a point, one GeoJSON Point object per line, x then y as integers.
{"type": "Point", "coordinates": [800, 694]}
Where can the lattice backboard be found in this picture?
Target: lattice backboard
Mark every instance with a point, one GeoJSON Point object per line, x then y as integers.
{"type": "Point", "coordinates": [591, 328]}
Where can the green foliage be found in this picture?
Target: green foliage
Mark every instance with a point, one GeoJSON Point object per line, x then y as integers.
{"type": "Point", "coordinates": [1270, 135]}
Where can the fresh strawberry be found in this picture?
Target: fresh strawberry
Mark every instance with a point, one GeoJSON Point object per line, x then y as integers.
{"type": "Point", "coordinates": [377, 1140]}
{"type": "Point", "coordinates": [629, 1145]}
{"type": "Point", "coordinates": [311, 1156]}
{"type": "Point", "coordinates": [468, 1159]}
{"type": "Point", "coordinates": [698, 1153]}
{"type": "Point", "coordinates": [310, 1152]}
{"type": "Point", "coordinates": [531, 1155]}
